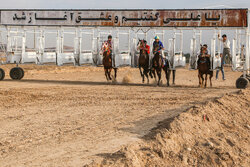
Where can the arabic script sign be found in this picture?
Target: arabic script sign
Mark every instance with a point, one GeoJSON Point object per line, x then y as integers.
{"type": "Point", "coordinates": [127, 18]}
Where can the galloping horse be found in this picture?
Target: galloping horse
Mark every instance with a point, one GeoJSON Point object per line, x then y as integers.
{"type": "Point", "coordinates": [157, 63]}
{"type": "Point", "coordinates": [167, 71]}
{"type": "Point", "coordinates": [203, 68]}
{"type": "Point", "coordinates": [107, 63]}
{"type": "Point", "coordinates": [143, 60]}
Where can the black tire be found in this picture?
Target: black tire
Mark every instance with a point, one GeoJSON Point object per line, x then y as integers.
{"type": "Point", "coordinates": [22, 73]}
{"type": "Point", "coordinates": [2, 74]}
{"type": "Point", "coordinates": [247, 76]}
{"type": "Point", "coordinates": [16, 73]}
{"type": "Point", "coordinates": [242, 83]}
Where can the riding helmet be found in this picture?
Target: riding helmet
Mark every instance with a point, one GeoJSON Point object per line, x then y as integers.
{"type": "Point", "coordinates": [157, 37]}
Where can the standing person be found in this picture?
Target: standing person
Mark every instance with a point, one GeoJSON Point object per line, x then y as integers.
{"type": "Point", "coordinates": [222, 69]}
{"type": "Point", "coordinates": [108, 45]}
{"type": "Point", "coordinates": [226, 52]}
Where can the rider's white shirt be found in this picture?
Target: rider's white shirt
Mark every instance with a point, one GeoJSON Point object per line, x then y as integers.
{"type": "Point", "coordinates": [226, 44]}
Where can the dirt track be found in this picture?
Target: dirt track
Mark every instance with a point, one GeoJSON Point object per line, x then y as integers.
{"type": "Point", "coordinates": [68, 116]}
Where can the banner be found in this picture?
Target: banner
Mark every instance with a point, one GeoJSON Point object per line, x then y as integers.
{"type": "Point", "coordinates": [127, 18]}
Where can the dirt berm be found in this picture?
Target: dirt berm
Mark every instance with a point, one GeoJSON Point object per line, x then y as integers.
{"type": "Point", "coordinates": [212, 134]}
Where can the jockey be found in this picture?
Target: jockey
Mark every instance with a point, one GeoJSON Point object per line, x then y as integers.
{"type": "Point", "coordinates": [144, 46]}
{"type": "Point", "coordinates": [161, 47]}
{"type": "Point", "coordinates": [157, 41]}
{"type": "Point", "coordinates": [108, 46]}
{"type": "Point", "coordinates": [206, 47]}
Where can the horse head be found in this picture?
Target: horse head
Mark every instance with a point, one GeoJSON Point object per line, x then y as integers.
{"type": "Point", "coordinates": [141, 44]}
{"type": "Point", "coordinates": [156, 48]}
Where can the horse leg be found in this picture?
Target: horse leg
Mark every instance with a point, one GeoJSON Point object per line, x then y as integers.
{"type": "Point", "coordinates": [199, 76]}
{"type": "Point", "coordinates": [109, 74]}
{"type": "Point", "coordinates": [106, 73]}
{"type": "Point", "coordinates": [150, 73]}
{"type": "Point", "coordinates": [115, 69]}
{"type": "Point", "coordinates": [159, 76]}
{"type": "Point", "coordinates": [146, 74]}
{"type": "Point", "coordinates": [205, 80]}
{"type": "Point", "coordinates": [174, 77]}
{"type": "Point", "coordinates": [143, 78]}
{"type": "Point", "coordinates": [202, 80]}
{"type": "Point", "coordinates": [142, 75]}
{"type": "Point", "coordinates": [153, 71]}
{"type": "Point", "coordinates": [210, 79]}
{"type": "Point", "coordinates": [167, 72]}
{"type": "Point", "coordinates": [140, 70]}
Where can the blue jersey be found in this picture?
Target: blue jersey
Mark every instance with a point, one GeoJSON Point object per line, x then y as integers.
{"type": "Point", "coordinates": [160, 44]}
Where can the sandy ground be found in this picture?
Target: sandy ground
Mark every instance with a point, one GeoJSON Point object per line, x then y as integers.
{"type": "Point", "coordinates": [70, 116]}
{"type": "Point", "coordinates": [209, 135]}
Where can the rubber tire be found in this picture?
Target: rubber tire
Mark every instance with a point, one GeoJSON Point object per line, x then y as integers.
{"type": "Point", "coordinates": [247, 76]}
{"type": "Point", "coordinates": [2, 74]}
{"type": "Point", "coordinates": [242, 83]}
{"type": "Point", "coordinates": [16, 73]}
{"type": "Point", "coordinates": [22, 73]}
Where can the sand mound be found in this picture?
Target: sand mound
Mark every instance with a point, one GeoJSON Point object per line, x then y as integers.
{"type": "Point", "coordinates": [213, 134]}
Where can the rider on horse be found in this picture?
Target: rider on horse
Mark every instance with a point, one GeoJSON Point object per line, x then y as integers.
{"type": "Point", "coordinates": [204, 53]}
{"type": "Point", "coordinates": [158, 43]}
{"type": "Point", "coordinates": [107, 47]}
{"type": "Point", "coordinates": [144, 46]}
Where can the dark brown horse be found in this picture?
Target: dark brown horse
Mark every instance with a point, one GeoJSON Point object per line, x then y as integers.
{"type": "Point", "coordinates": [143, 60]}
{"type": "Point", "coordinates": [204, 69]}
{"type": "Point", "coordinates": [157, 64]}
{"type": "Point", "coordinates": [107, 63]}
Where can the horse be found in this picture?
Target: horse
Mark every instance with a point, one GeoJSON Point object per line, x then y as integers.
{"type": "Point", "coordinates": [167, 71]}
{"type": "Point", "coordinates": [204, 68]}
{"type": "Point", "coordinates": [143, 61]}
{"type": "Point", "coordinates": [157, 64]}
{"type": "Point", "coordinates": [107, 63]}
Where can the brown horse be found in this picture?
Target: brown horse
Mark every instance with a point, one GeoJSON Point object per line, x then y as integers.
{"type": "Point", "coordinates": [143, 61]}
{"type": "Point", "coordinates": [204, 69]}
{"type": "Point", "coordinates": [107, 63]}
{"type": "Point", "coordinates": [157, 64]}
